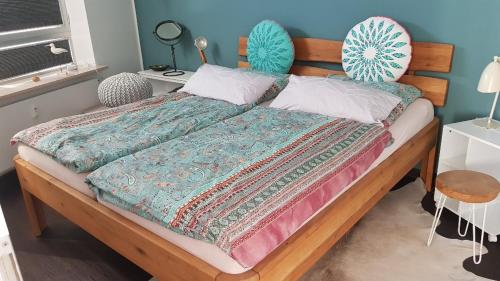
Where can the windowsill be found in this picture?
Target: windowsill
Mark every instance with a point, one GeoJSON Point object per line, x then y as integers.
{"type": "Point", "coordinates": [18, 90]}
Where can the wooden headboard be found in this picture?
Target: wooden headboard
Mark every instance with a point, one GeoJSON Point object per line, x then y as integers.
{"type": "Point", "coordinates": [429, 57]}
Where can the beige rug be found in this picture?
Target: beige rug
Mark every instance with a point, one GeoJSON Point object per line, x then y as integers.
{"type": "Point", "coordinates": [389, 244]}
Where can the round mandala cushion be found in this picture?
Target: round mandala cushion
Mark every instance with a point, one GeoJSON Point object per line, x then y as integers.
{"type": "Point", "coordinates": [270, 48]}
{"type": "Point", "coordinates": [124, 88]}
{"type": "Point", "coordinates": [377, 49]}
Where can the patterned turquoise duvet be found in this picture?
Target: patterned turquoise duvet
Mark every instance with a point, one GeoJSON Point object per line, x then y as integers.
{"type": "Point", "coordinates": [86, 142]}
{"type": "Point", "coordinates": [246, 183]}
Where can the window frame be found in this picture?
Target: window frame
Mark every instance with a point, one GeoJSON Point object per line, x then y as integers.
{"type": "Point", "coordinates": [33, 36]}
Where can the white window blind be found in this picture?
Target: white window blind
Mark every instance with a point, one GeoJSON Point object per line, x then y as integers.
{"type": "Point", "coordinates": [26, 28]}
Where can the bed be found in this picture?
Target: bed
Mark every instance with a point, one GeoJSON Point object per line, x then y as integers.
{"type": "Point", "coordinates": [415, 135]}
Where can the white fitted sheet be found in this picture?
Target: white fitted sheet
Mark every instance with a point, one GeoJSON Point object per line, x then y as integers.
{"type": "Point", "coordinates": [416, 117]}
{"type": "Point", "coordinates": [55, 169]}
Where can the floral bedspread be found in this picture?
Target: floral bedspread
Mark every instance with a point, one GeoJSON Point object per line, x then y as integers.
{"type": "Point", "coordinates": [86, 142]}
{"type": "Point", "coordinates": [244, 184]}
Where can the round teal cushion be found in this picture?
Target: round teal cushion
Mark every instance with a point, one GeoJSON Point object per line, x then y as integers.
{"type": "Point", "coordinates": [377, 49]}
{"type": "Point", "coordinates": [270, 48]}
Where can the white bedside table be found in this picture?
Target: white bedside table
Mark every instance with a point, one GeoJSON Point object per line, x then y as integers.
{"type": "Point", "coordinates": [465, 146]}
{"type": "Point", "coordinates": [164, 84]}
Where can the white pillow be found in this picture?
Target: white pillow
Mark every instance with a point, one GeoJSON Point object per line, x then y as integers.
{"type": "Point", "coordinates": [228, 84]}
{"type": "Point", "coordinates": [333, 97]}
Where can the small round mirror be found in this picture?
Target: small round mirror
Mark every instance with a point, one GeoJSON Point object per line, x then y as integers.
{"type": "Point", "coordinates": [169, 31]}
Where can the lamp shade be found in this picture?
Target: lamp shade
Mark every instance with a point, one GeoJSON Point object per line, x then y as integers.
{"type": "Point", "coordinates": [201, 43]}
{"type": "Point", "coordinates": [490, 79]}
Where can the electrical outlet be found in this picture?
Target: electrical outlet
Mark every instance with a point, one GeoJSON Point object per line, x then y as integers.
{"type": "Point", "coordinates": [34, 112]}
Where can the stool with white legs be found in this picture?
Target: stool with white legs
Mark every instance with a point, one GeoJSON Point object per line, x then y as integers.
{"type": "Point", "coordinates": [468, 187]}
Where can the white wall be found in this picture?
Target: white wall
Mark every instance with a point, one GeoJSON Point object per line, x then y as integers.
{"type": "Point", "coordinates": [113, 30]}
{"type": "Point", "coordinates": [80, 33]}
{"type": "Point", "coordinates": [105, 32]}
{"type": "Point", "coordinates": [64, 102]}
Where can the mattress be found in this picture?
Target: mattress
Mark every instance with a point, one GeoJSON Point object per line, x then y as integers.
{"type": "Point", "coordinates": [417, 116]}
{"type": "Point", "coordinates": [55, 169]}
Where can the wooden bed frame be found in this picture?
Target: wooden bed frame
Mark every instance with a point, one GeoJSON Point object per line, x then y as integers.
{"type": "Point", "coordinates": [294, 257]}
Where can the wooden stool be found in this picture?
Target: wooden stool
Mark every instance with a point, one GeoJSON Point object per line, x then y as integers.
{"type": "Point", "coordinates": [469, 187]}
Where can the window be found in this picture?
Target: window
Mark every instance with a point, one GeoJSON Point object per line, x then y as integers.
{"type": "Point", "coordinates": [27, 27]}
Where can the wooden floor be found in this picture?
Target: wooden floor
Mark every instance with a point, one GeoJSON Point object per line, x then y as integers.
{"type": "Point", "coordinates": [65, 252]}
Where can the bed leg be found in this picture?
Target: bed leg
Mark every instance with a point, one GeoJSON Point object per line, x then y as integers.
{"type": "Point", "coordinates": [35, 212]}
{"type": "Point", "coordinates": [427, 169]}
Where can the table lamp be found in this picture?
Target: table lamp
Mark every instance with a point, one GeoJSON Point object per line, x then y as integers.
{"type": "Point", "coordinates": [201, 44]}
{"type": "Point", "coordinates": [490, 83]}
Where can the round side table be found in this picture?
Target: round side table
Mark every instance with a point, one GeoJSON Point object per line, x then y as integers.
{"type": "Point", "coordinates": [468, 187]}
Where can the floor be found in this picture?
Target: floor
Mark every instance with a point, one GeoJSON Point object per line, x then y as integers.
{"type": "Point", "coordinates": [389, 244]}
{"type": "Point", "coordinates": [65, 252]}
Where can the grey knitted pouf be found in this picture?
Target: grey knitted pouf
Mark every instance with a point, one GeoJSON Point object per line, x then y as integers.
{"type": "Point", "coordinates": [124, 88]}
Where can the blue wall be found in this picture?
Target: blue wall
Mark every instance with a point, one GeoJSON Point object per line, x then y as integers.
{"type": "Point", "coordinates": [473, 26]}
